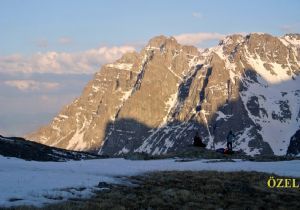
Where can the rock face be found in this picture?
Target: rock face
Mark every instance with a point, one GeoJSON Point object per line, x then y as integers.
{"type": "Point", "coordinates": [155, 100]}
{"type": "Point", "coordinates": [294, 147]}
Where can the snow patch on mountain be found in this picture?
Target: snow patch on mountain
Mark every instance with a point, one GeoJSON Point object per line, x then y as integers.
{"type": "Point", "coordinates": [77, 140]}
{"type": "Point", "coordinates": [176, 75]}
{"type": "Point", "coordinates": [278, 106]}
{"type": "Point", "coordinates": [290, 40]}
{"type": "Point", "coordinates": [169, 106]}
{"type": "Point", "coordinates": [121, 66]}
{"type": "Point", "coordinates": [221, 115]}
{"type": "Point", "coordinates": [276, 74]}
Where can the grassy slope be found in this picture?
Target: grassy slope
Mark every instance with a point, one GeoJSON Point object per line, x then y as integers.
{"type": "Point", "coordinates": [190, 190]}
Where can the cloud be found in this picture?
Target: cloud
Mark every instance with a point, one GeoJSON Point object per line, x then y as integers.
{"type": "Point", "coordinates": [65, 40]}
{"type": "Point", "coordinates": [197, 15]}
{"type": "Point", "coordinates": [31, 85]}
{"type": "Point", "coordinates": [85, 62]}
{"type": "Point", "coordinates": [198, 38]}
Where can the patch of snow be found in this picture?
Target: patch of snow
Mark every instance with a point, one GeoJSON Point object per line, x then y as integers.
{"type": "Point", "coordinates": [221, 115]}
{"type": "Point", "coordinates": [124, 150]}
{"type": "Point", "coordinates": [63, 116]}
{"type": "Point", "coordinates": [57, 128]}
{"type": "Point", "coordinates": [284, 42]}
{"type": "Point", "coordinates": [176, 75]}
{"type": "Point", "coordinates": [168, 144]}
{"type": "Point", "coordinates": [242, 142]}
{"type": "Point", "coordinates": [95, 88]}
{"type": "Point", "coordinates": [122, 66]}
{"type": "Point", "coordinates": [230, 66]}
{"type": "Point", "coordinates": [169, 105]}
{"type": "Point", "coordinates": [126, 95]}
{"type": "Point", "coordinates": [77, 142]}
{"type": "Point", "coordinates": [290, 40]}
{"type": "Point", "coordinates": [39, 183]}
{"type": "Point", "coordinates": [211, 142]}
{"type": "Point", "coordinates": [275, 132]}
{"type": "Point", "coordinates": [278, 75]}
{"type": "Point", "coordinates": [151, 48]}
{"type": "Point", "coordinates": [57, 152]}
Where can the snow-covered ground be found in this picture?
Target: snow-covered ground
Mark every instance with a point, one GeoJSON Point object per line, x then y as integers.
{"type": "Point", "coordinates": [37, 183]}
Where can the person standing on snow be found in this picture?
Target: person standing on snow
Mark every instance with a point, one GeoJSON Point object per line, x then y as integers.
{"type": "Point", "coordinates": [230, 138]}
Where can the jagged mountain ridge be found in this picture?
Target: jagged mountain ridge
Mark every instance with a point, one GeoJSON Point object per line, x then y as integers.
{"type": "Point", "coordinates": [154, 101]}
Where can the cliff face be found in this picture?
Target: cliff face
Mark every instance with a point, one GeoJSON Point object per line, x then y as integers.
{"type": "Point", "coordinates": [155, 100]}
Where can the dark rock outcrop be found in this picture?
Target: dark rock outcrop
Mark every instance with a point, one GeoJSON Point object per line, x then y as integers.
{"type": "Point", "coordinates": [28, 150]}
{"type": "Point", "coordinates": [294, 147]}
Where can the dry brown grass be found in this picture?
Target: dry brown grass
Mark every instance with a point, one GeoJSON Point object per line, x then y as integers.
{"type": "Point", "coordinates": [189, 190]}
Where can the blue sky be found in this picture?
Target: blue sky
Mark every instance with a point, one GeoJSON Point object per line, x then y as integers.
{"type": "Point", "coordinates": [49, 49]}
{"type": "Point", "coordinates": [92, 23]}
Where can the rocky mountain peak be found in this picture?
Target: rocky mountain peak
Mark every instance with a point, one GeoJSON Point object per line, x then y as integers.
{"type": "Point", "coordinates": [129, 57]}
{"type": "Point", "coordinates": [154, 101]}
{"type": "Point", "coordinates": [233, 39]}
{"type": "Point", "coordinates": [163, 41]}
{"type": "Point", "coordinates": [294, 37]}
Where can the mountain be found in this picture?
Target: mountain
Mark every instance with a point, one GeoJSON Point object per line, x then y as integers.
{"type": "Point", "coordinates": [155, 100]}
{"type": "Point", "coordinates": [28, 150]}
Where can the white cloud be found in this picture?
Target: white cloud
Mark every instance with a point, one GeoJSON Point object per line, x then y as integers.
{"type": "Point", "coordinates": [85, 62]}
{"type": "Point", "coordinates": [65, 40]}
{"type": "Point", "coordinates": [30, 85]}
{"type": "Point", "coordinates": [198, 38]}
{"type": "Point", "coordinates": [197, 15]}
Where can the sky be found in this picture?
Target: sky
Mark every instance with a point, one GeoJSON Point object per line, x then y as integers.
{"type": "Point", "coordinates": [50, 49]}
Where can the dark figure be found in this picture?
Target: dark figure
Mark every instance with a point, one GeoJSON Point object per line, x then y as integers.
{"type": "Point", "coordinates": [230, 138]}
{"type": "Point", "coordinates": [198, 141]}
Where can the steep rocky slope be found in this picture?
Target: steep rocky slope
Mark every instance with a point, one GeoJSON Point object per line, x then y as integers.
{"type": "Point", "coordinates": [155, 100]}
